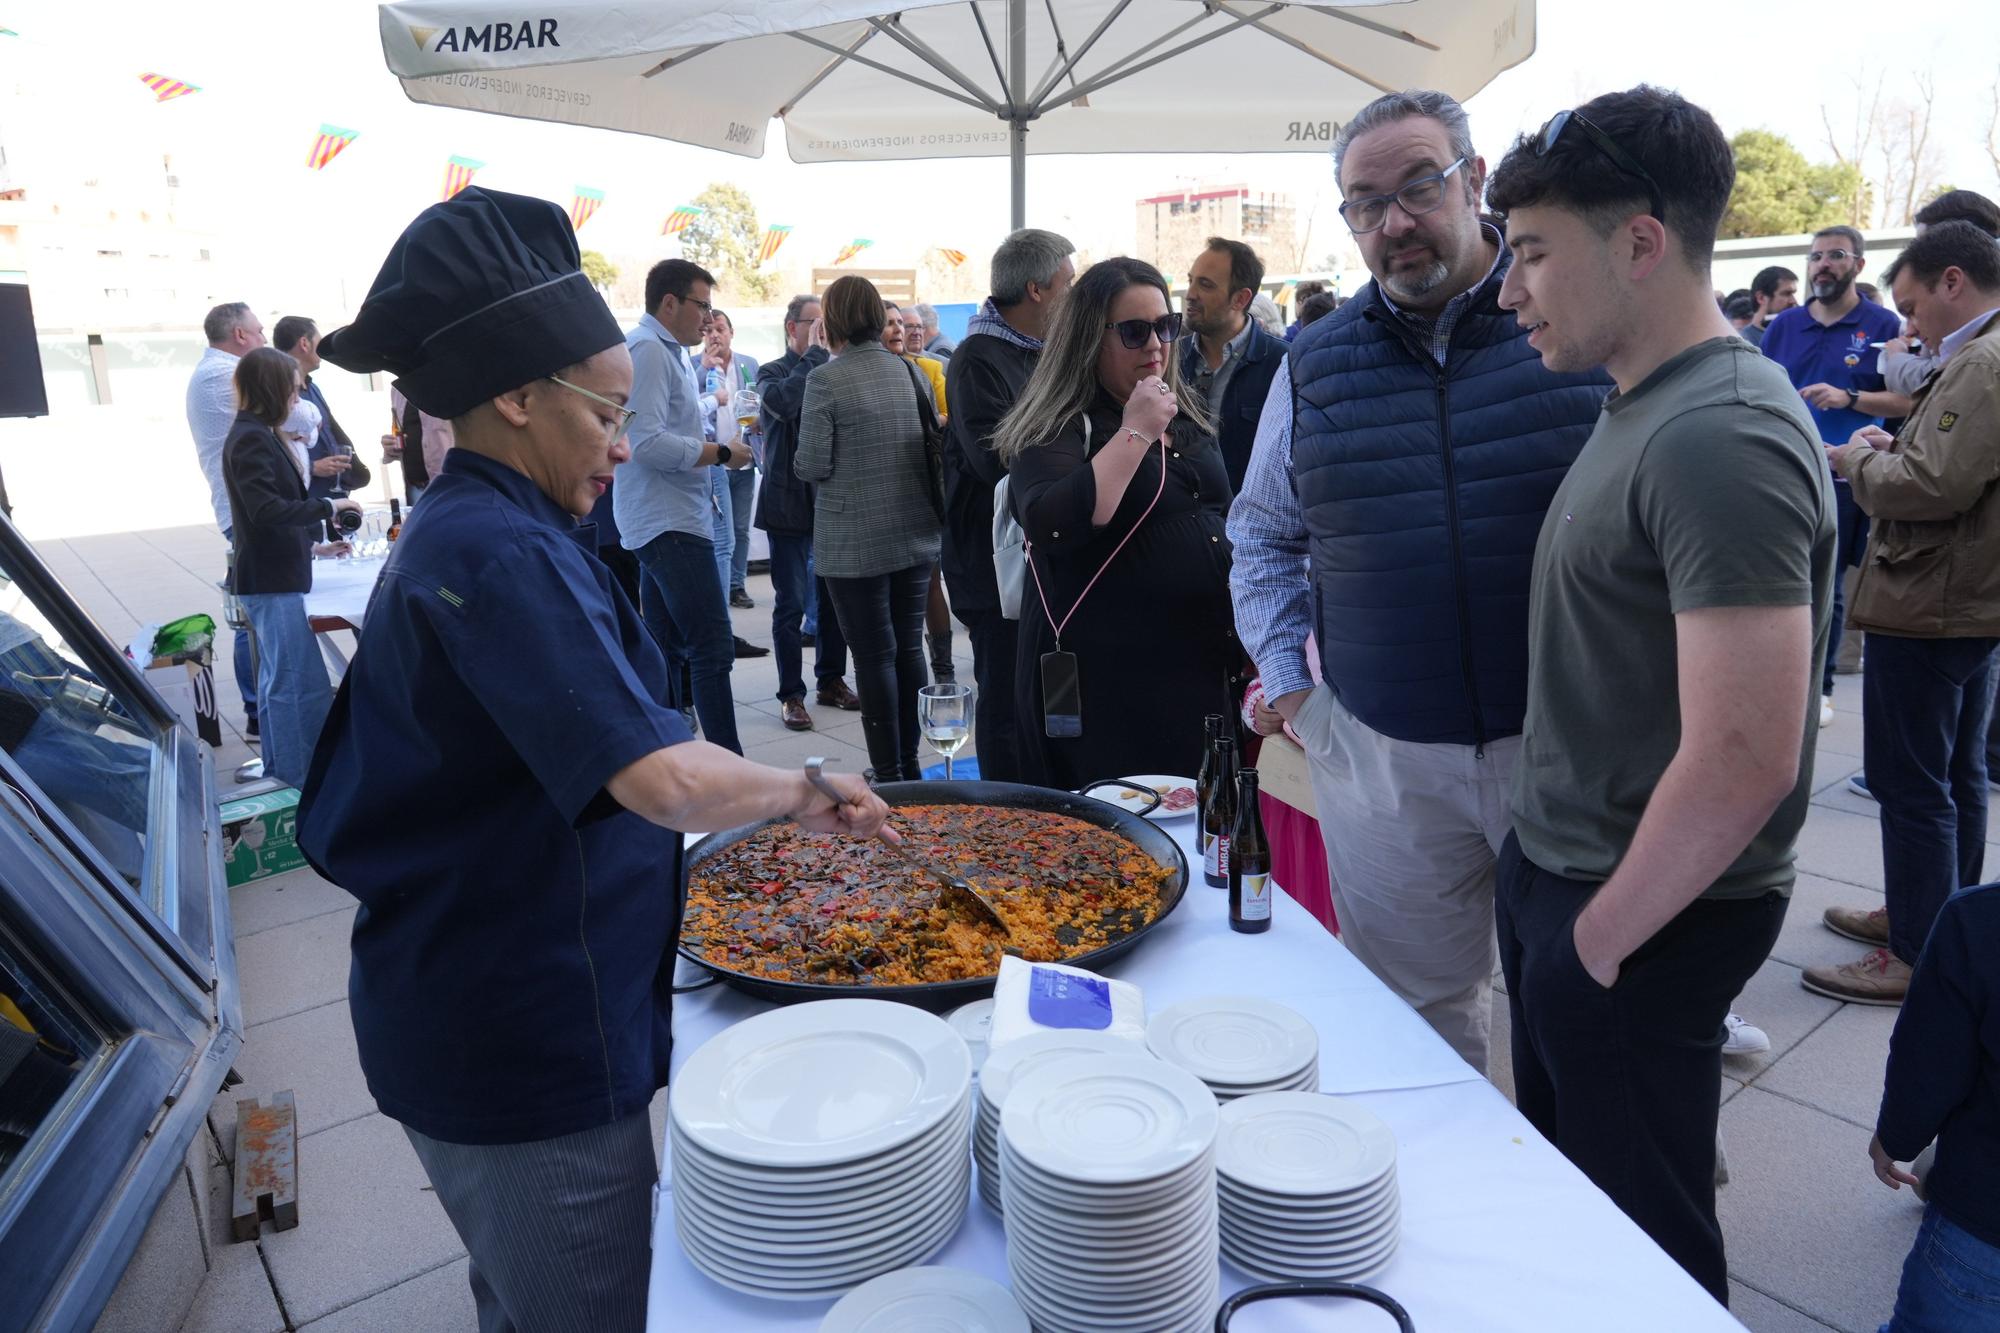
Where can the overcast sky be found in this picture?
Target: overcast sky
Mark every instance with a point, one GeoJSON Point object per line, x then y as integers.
{"type": "Point", "coordinates": [272, 70]}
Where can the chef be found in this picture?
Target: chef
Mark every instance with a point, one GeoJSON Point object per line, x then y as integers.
{"type": "Point", "coordinates": [501, 779]}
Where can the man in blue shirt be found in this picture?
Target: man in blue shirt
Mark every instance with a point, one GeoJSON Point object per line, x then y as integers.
{"type": "Point", "coordinates": [335, 469]}
{"type": "Point", "coordinates": [1825, 347]}
{"type": "Point", "coordinates": [501, 779]}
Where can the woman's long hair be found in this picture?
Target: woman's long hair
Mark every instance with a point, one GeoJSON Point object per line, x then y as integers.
{"type": "Point", "coordinates": [1065, 378]}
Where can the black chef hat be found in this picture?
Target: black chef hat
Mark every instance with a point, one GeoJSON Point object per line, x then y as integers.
{"type": "Point", "coordinates": [479, 295]}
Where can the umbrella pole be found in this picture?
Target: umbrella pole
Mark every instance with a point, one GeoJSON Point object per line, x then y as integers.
{"type": "Point", "coordinates": [1017, 120]}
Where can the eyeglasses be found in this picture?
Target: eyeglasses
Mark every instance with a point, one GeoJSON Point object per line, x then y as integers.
{"type": "Point", "coordinates": [1835, 255]}
{"type": "Point", "coordinates": [625, 414]}
{"type": "Point", "coordinates": [1422, 195]}
{"type": "Point", "coordinates": [707, 307]}
{"type": "Point", "coordinates": [1559, 125]}
{"type": "Point", "coordinates": [1134, 332]}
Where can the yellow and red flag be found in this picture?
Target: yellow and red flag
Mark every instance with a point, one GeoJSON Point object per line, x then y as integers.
{"type": "Point", "coordinates": [328, 144]}
{"type": "Point", "coordinates": [953, 257]}
{"type": "Point", "coordinates": [851, 249]}
{"type": "Point", "coordinates": [773, 238]}
{"type": "Point", "coordinates": [458, 173]}
{"type": "Point", "coordinates": [677, 221]}
{"type": "Point", "coordinates": [582, 205]}
{"type": "Point", "coordinates": [166, 89]}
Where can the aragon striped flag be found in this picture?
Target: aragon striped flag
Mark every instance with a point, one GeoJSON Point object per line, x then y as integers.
{"type": "Point", "coordinates": [678, 220]}
{"type": "Point", "coordinates": [774, 236]}
{"type": "Point", "coordinates": [851, 249]}
{"type": "Point", "coordinates": [328, 144]}
{"type": "Point", "coordinates": [166, 89]}
{"type": "Point", "coordinates": [458, 173]}
{"type": "Point", "coordinates": [952, 257]}
{"type": "Point", "coordinates": [582, 205]}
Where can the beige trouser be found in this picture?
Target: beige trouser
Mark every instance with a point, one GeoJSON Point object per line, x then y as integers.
{"type": "Point", "coordinates": [1411, 834]}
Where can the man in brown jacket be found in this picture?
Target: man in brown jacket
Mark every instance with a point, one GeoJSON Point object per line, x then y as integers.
{"type": "Point", "coordinates": [1929, 600]}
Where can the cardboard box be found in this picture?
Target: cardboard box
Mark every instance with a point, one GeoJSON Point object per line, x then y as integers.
{"type": "Point", "coordinates": [260, 836]}
{"type": "Point", "coordinates": [189, 689]}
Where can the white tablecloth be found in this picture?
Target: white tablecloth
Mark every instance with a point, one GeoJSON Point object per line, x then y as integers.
{"type": "Point", "coordinates": [1500, 1232]}
{"type": "Point", "coordinates": [340, 588]}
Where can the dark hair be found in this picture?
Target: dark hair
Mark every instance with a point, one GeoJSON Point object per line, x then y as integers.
{"type": "Point", "coordinates": [797, 304]}
{"type": "Point", "coordinates": [853, 311]}
{"type": "Point", "coordinates": [673, 277]}
{"type": "Point", "coordinates": [1741, 305]}
{"type": "Point", "coordinates": [1679, 144]}
{"type": "Point", "coordinates": [1845, 233]}
{"type": "Point", "coordinates": [1245, 269]}
{"type": "Point", "coordinates": [1960, 245]}
{"type": "Point", "coordinates": [1310, 287]}
{"type": "Point", "coordinates": [1869, 292]}
{"type": "Point", "coordinates": [1735, 295]}
{"type": "Point", "coordinates": [1768, 280]}
{"type": "Point", "coordinates": [224, 320]}
{"type": "Point", "coordinates": [714, 315]}
{"type": "Point", "coordinates": [1317, 306]}
{"type": "Point", "coordinates": [265, 379]}
{"type": "Point", "coordinates": [286, 333]}
{"type": "Point", "coordinates": [1961, 206]}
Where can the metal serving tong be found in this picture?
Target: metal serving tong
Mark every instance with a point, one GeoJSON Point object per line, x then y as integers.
{"type": "Point", "coordinates": [955, 889]}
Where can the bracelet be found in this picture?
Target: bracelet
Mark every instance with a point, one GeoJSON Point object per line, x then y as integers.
{"type": "Point", "coordinates": [1143, 441]}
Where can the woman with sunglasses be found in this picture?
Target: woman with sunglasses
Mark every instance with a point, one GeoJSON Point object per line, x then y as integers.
{"type": "Point", "coordinates": [1119, 485]}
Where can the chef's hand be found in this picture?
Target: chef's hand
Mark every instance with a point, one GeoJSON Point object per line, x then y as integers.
{"type": "Point", "coordinates": [860, 812]}
{"type": "Point", "coordinates": [1824, 396]}
{"type": "Point", "coordinates": [1886, 1170]}
{"type": "Point", "coordinates": [332, 465]}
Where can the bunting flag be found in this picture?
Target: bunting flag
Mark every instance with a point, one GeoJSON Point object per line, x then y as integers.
{"type": "Point", "coordinates": [953, 257]}
{"type": "Point", "coordinates": [851, 249]}
{"type": "Point", "coordinates": [166, 89]}
{"type": "Point", "coordinates": [774, 236]}
{"type": "Point", "coordinates": [582, 205]}
{"type": "Point", "coordinates": [327, 146]}
{"type": "Point", "coordinates": [458, 174]}
{"type": "Point", "coordinates": [677, 221]}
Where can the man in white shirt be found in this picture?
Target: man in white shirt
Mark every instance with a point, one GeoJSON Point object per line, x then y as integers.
{"type": "Point", "coordinates": [231, 330]}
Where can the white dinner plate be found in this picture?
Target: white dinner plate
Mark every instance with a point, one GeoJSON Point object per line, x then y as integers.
{"type": "Point", "coordinates": [973, 1022]}
{"type": "Point", "coordinates": [781, 1233]}
{"type": "Point", "coordinates": [1154, 1291]}
{"type": "Point", "coordinates": [1306, 1080]}
{"type": "Point", "coordinates": [1007, 1063]}
{"type": "Point", "coordinates": [1111, 1267]}
{"type": "Point", "coordinates": [1094, 1231]}
{"type": "Point", "coordinates": [1302, 1143]}
{"type": "Point", "coordinates": [1234, 1040]}
{"type": "Point", "coordinates": [1327, 1244]}
{"type": "Point", "coordinates": [1192, 1308]}
{"type": "Point", "coordinates": [946, 1140]}
{"type": "Point", "coordinates": [1108, 1119]}
{"type": "Point", "coordinates": [1286, 1268]}
{"type": "Point", "coordinates": [821, 1083]}
{"type": "Point", "coordinates": [1195, 1176]}
{"type": "Point", "coordinates": [774, 1273]}
{"type": "Point", "coordinates": [927, 1300]}
{"type": "Point", "coordinates": [1135, 803]}
{"type": "Point", "coordinates": [819, 1201]}
{"type": "Point", "coordinates": [1328, 1223]}
{"type": "Point", "coordinates": [1316, 1205]}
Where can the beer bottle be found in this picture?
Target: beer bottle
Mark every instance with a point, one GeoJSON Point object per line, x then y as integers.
{"type": "Point", "coordinates": [1204, 783]}
{"type": "Point", "coordinates": [1219, 823]}
{"type": "Point", "coordinates": [395, 518]}
{"type": "Point", "coordinates": [1249, 861]}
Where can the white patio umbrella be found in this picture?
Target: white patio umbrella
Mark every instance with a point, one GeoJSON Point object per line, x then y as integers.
{"type": "Point", "coordinates": [952, 78]}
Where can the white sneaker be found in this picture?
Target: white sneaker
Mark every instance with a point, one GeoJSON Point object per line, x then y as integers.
{"type": "Point", "coordinates": [1741, 1038]}
{"type": "Point", "coordinates": [1826, 710]}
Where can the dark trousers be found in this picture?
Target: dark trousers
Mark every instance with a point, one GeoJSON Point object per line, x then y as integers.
{"type": "Point", "coordinates": [994, 641]}
{"type": "Point", "coordinates": [791, 578]}
{"type": "Point", "coordinates": [882, 618]}
{"type": "Point", "coordinates": [624, 567]}
{"type": "Point", "coordinates": [1925, 705]}
{"type": "Point", "coordinates": [1850, 543]}
{"type": "Point", "coordinates": [690, 616]}
{"type": "Point", "coordinates": [1626, 1082]}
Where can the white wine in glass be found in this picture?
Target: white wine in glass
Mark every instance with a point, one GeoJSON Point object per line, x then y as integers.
{"type": "Point", "coordinates": [945, 714]}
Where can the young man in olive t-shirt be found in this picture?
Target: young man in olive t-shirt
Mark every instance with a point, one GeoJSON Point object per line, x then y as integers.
{"type": "Point", "coordinates": [1678, 616]}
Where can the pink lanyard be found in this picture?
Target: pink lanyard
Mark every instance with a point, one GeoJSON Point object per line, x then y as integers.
{"type": "Point", "coordinates": [1028, 550]}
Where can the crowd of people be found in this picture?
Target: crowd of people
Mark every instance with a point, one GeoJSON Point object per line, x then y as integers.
{"type": "Point", "coordinates": [1542, 550]}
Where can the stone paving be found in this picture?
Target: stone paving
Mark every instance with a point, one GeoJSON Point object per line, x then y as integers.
{"type": "Point", "coordinates": [1814, 1242]}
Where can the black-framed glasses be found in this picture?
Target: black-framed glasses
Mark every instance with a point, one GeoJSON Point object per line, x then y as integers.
{"type": "Point", "coordinates": [1134, 332]}
{"type": "Point", "coordinates": [625, 414]}
{"type": "Point", "coordinates": [707, 307]}
{"type": "Point", "coordinates": [1559, 125]}
{"type": "Point", "coordinates": [1835, 255]}
{"type": "Point", "coordinates": [1418, 197]}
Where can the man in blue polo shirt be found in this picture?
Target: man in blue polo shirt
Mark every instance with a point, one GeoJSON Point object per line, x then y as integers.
{"type": "Point", "coordinates": [1825, 346]}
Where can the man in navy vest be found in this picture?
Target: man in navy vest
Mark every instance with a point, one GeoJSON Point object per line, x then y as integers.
{"type": "Point", "coordinates": [1408, 450]}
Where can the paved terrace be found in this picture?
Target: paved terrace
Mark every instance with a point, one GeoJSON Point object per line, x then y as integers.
{"type": "Point", "coordinates": [1814, 1243]}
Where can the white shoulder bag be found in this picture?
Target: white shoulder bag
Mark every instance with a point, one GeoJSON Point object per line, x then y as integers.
{"type": "Point", "coordinates": [1010, 558]}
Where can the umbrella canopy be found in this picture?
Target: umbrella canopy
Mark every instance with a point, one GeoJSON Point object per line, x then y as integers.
{"type": "Point", "coordinates": [952, 78]}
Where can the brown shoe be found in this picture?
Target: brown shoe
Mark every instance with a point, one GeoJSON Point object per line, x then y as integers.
{"type": "Point", "coordinates": [1868, 925]}
{"type": "Point", "coordinates": [837, 695]}
{"type": "Point", "coordinates": [796, 716]}
{"type": "Point", "coordinates": [1875, 978]}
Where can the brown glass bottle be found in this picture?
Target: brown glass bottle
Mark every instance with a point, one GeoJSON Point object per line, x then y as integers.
{"type": "Point", "coordinates": [1204, 783]}
{"type": "Point", "coordinates": [1218, 822]}
{"type": "Point", "coordinates": [1249, 861]}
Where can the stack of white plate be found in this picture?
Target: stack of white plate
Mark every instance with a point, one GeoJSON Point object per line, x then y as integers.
{"type": "Point", "coordinates": [1108, 1170]}
{"type": "Point", "coordinates": [1238, 1045]}
{"type": "Point", "coordinates": [818, 1146]}
{"type": "Point", "coordinates": [1307, 1185]}
{"type": "Point", "coordinates": [927, 1300]}
{"type": "Point", "coordinates": [1004, 1068]}
{"type": "Point", "coordinates": [974, 1022]}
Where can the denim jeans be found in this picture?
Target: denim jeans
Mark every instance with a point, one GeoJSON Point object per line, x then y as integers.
{"type": "Point", "coordinates": [293, 692]}
{"type": "Point", "coordinates": [1951, 1282]}
{"type": "Point", "coordinates": [882, 619]}
{"type": "Point", "coordinates": [742, 496]}
{"type": "Point", "coordinates": [689, 615]}
{"type": "Point", "coordinates": [1925, 704]}
{"type": "Point", "coordinates": [246, 675]}
{"type": "Point", "coordinates": [790, 585]}
{"type": "Point", "coordinates": [1849, 544]}
{"type": "Point", "coordinates": [722, 516]}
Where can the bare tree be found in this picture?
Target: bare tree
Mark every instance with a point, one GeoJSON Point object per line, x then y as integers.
{"type": "Point", "coordinates": [1851, 150]}
{"type": "Point", "coordinates": [1909, 158]}
{"type": "Point", "coordinates": [1993, 127]}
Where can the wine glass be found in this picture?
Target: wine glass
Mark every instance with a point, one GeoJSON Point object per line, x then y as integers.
{"type": "Point", "coordinates": [945, 713]}
{"type": "Point", "coordinates": [746, 403]}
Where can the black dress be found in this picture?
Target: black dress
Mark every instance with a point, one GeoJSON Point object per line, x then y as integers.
{"type": "Point", "coordinates": [1155, 640]}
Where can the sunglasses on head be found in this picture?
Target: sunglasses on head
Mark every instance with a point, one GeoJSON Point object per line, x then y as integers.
{"type": "Point", "coordinates": [1134, 332]}
{"type": "Point", "coordinates": [1564, 121]}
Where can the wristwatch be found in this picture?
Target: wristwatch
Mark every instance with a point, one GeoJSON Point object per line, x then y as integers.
{"type": "Point", "coordinates": [723, 455]}
{"type": "Point", "coordinates": [1853, 399]}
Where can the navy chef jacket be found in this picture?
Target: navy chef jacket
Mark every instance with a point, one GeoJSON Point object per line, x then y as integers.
{"type": "Point", "coordinates": [513, 952]}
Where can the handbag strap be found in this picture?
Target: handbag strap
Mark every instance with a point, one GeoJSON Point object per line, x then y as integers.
{"type": "Point", "coordinates": [1028, 548]}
